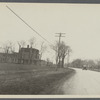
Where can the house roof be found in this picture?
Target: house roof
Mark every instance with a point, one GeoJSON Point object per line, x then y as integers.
{"type": "Point", "coordinates": [28, 49]}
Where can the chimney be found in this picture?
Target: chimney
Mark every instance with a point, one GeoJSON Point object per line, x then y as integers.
{"type": "Point", "coordinates": [27, 46]}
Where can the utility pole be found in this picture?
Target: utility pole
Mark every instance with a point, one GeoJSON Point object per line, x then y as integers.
{"type": "Point", "coordinates": [58, 57]}
{"type": "Point", "coordinates": [60, 35]}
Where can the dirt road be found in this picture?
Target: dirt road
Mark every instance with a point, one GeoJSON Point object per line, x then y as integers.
{"type": "Point", "coordinates": [84, 82]}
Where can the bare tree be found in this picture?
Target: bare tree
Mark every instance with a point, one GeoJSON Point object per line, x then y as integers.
{"type": "Point", "coordinates": [98, 63]}
{"type": "Point", "coordinates": [32, 42]}
{"type": "Point", "coordinates": [42, 49]}
{"type": "Point", "coordinates": [91, 64]}
{"type": "Point", "coordinates": [22, 43]}
{"type": "Point", "coordinates": [48, 61]}
{"type": "Point", "coordinates": [55, 47]}
{"type": "Point", "coordinates": [61, 51]}
{"type": "Point", "coordinates": [77, 63]}
{"type": "Point", "coordinates": [8, 47]}
{"type": "Point", "coordinates": [64, 51]}
{"type": "Point", "coordinates": [11, 47]}
{"type": "Point", "coordinates": [19, 45]}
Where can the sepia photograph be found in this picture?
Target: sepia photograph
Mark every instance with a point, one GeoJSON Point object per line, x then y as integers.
{"type": "Point", "coordinates": [50, 49]}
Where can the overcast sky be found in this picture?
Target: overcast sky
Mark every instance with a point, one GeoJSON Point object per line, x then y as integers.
{"type": "Point", "coordinates": [80, 22]}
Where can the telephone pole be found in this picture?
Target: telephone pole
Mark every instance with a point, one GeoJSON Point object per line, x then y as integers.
{"type": "Point", "coordinates": [60, 35]}
{"type": "Point", "coordinates": [58, 57]}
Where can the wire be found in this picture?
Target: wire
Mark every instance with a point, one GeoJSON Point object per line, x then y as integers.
{"type": "Point", "coordinates": [28, 24]}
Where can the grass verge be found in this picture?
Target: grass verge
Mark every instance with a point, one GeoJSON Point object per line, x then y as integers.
{"type": "Point", "coordinates": [37, 81]}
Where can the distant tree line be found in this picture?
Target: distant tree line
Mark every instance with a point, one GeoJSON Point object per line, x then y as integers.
{"type": "Point", "coordinates": [90, 64]}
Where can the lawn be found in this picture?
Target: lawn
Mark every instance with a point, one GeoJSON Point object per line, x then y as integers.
{"type": "Point", "coordinates": [30, 79]}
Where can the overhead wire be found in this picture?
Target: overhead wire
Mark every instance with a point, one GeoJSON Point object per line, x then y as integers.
{"type": "Point", "coordinates": [28, 25]}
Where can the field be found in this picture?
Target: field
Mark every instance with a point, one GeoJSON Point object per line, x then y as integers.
{"type": "Point", "coordinates": [30, 79]}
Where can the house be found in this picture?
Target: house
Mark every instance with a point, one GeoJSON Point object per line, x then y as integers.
{"type": "Point", "coordinates": [28, 55]}
{"type": "Point", "coordinates": [12, 58]}
{"type": "Point", "coordinates": [24, 56]}
{"type": "Point", "coordinates": [2, 57]}
{"type": "Point", "coordinates": [9, 58]}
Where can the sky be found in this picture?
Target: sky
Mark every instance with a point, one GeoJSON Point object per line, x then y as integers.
{"type": "Point", "coordinates": [80, 22]}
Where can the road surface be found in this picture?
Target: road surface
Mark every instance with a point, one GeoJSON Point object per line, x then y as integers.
{"type": "Point", "coordinates": [84, 82]}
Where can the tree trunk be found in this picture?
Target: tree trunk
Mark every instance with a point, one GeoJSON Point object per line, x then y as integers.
{"type": "Point", "coordinates": [56, 60]}
{"type": "Point", "coordinates": [59, 62]}
{"type": "Point", "coordinates": [63, 62]}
